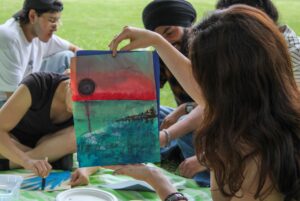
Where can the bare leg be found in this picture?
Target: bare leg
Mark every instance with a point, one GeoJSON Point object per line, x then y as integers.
{"type": "Point", "coordinates": [53, 146]}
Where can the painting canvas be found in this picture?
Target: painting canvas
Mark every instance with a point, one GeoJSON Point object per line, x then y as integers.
{"type": "Point", "coordinates": [54, 182]}
{"type": "Point", "coordinates": [115, 107]}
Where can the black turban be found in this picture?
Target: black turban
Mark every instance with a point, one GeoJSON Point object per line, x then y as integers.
{"type": "Point", "coordinates": [168, 13]}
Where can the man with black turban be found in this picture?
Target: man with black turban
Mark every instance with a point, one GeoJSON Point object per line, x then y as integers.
{"type": "Point", "coordinates": [173, 20]}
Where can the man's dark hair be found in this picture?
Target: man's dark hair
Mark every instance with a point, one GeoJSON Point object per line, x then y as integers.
{"type": "Point", "coordinates": [266, 5]}
{"type": "Point", "coordinates": [40, 6]}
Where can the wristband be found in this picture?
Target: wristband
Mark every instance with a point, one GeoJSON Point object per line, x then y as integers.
{"type": "Point", "coordinates": [175, 197]}
{"type": "Point", "coordinates": [168, 137]}
{"type": "Point", "coordinates": [189, 107]}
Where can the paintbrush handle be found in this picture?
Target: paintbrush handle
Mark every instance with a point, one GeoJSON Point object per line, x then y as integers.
{"type": "Point", "coordinates": [44, 178]}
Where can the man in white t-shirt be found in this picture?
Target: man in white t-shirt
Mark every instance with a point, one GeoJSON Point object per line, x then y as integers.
{"type": "Point", "coordinates": [28, 44]}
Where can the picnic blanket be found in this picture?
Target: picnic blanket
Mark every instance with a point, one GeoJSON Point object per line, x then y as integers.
{"type": "Point", "coordinates": [105, 176]}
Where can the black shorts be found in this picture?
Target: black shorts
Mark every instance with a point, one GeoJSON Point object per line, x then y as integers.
{"type": "Point", "coordinates": [27, 140]}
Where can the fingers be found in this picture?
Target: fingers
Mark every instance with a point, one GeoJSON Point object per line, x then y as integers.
{"type": "Point", "coordinates": [125, 34]}
{"type": "Point", "coordinates": [165, 125]}
{"type": "Point", "coordinates": [184, 170]}
{"type": "Point", "coordinates": [74, 176]}
{"type": "Point", "coordinates": [189, 168]}
{"type": "Point", "coordinates": [78, 179]}
{"type": "Point", "coordinates": [41, 168]}
{"type": "Point", "coordinates": [181, 168]}
{"type": "Point", "coordinates": [75, 180]}
{"type": "Point", "coordinates": [35, 171]}
{"type": "Point", "coordinates": [167, 122]}
{"type": "Point", "coordinates": [128, 47]}
{"type": "Point", "coordinates": [116, 40]}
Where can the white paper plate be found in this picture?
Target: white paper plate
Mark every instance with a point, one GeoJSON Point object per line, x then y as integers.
{"type": "Point", "coordinates": [85, 194]}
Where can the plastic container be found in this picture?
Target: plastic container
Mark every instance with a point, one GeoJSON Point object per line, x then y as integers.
{"type": "Point", "coordinates": [10, 187]}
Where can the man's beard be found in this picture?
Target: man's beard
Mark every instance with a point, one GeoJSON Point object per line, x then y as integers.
{"type": "Point", "coordinates": [183, 45]}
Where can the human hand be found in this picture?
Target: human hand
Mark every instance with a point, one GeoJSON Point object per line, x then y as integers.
{"type": "Point", "coordinates": [39, 167]}
{"type": "Point", "coordinates": [151, 175]}
{"type": "Point", "coordinates": [139, 38]}
{"type": "Point", "coordinates": [80, 177]}
{"type": "Point", "coordinates": [137, 171]}
{"type": "Point", "coordinates": [173, 117]}
{"type": "Point", "coordinates": [162, 139]}
{"type": "Point", "coordinates": [190, 166]}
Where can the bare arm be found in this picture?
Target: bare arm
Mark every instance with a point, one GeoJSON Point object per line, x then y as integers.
{"type": "Point", "coordinates": [74, 48]}
{"type": "Point", "coordinates": [81, 176]}
{"type": "Point", "coordinates": [189, 124]}
{"type": "Point", "coordinates": [174, 116]}
{"type": "Point", "coordinates": [179, 65]}
{"type": "Point", "coordinates": [151, 175]}
{"type": "Point", "coordinates": [183, 127]}
{"type": "Point", "coordinates": [10, 115]}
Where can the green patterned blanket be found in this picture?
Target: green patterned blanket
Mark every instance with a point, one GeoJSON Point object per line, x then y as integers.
{"type": "Point", "coordinates": [105, 176]}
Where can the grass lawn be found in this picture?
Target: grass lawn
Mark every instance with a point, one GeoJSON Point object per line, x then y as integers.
{"type": "Point", "coordinates": [91, 24]}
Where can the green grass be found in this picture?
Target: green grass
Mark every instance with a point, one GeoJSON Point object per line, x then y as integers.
{"type": "Point", "coordinates": [91, 24]}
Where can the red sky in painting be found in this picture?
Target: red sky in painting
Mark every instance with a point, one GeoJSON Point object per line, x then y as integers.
{"type": "Point", "coordinates": [117, 85]}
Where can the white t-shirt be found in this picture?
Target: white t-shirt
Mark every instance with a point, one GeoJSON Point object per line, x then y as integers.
{"type": "Point", "coordinates": [293, 42]}
{"type": "Point", "coordinates": [18, 57]}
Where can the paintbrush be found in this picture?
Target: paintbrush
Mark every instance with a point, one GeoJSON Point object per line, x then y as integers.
{"type": "Point", "coordinates": [44, 178]}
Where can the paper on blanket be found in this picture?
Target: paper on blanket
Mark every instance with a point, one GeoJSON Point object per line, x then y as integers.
{"type": "Point", "coordinates": [137, 185]}
{"type": "Point", "coordinates": [132, 185]}
{"type": "Point", "coordinates": [54, 182]}
{"type": "Point", "coordinates": [115, 107]}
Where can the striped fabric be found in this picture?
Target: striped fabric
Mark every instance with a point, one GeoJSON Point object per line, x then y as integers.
{"type": "Point", "coordinates": [293, 42]}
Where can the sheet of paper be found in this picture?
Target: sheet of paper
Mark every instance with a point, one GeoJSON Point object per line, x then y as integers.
{"type": "Point", "coordinates": [131, 185]}
{"type": "Point", "coordinates": [54, 182]}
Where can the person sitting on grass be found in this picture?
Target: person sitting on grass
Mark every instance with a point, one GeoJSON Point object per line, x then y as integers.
{"type": "Point", "coordinates": [37, 122]}
{"type": "Point", "coordinates": [28, 44]}
{"type": "Point", "coordinates": [240, 70]}
{"type": "Point", "coordinates": [176, 124]}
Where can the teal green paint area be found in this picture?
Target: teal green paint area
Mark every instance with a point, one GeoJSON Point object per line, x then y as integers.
{"type": "Point", "coordinates": [116, 132]}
